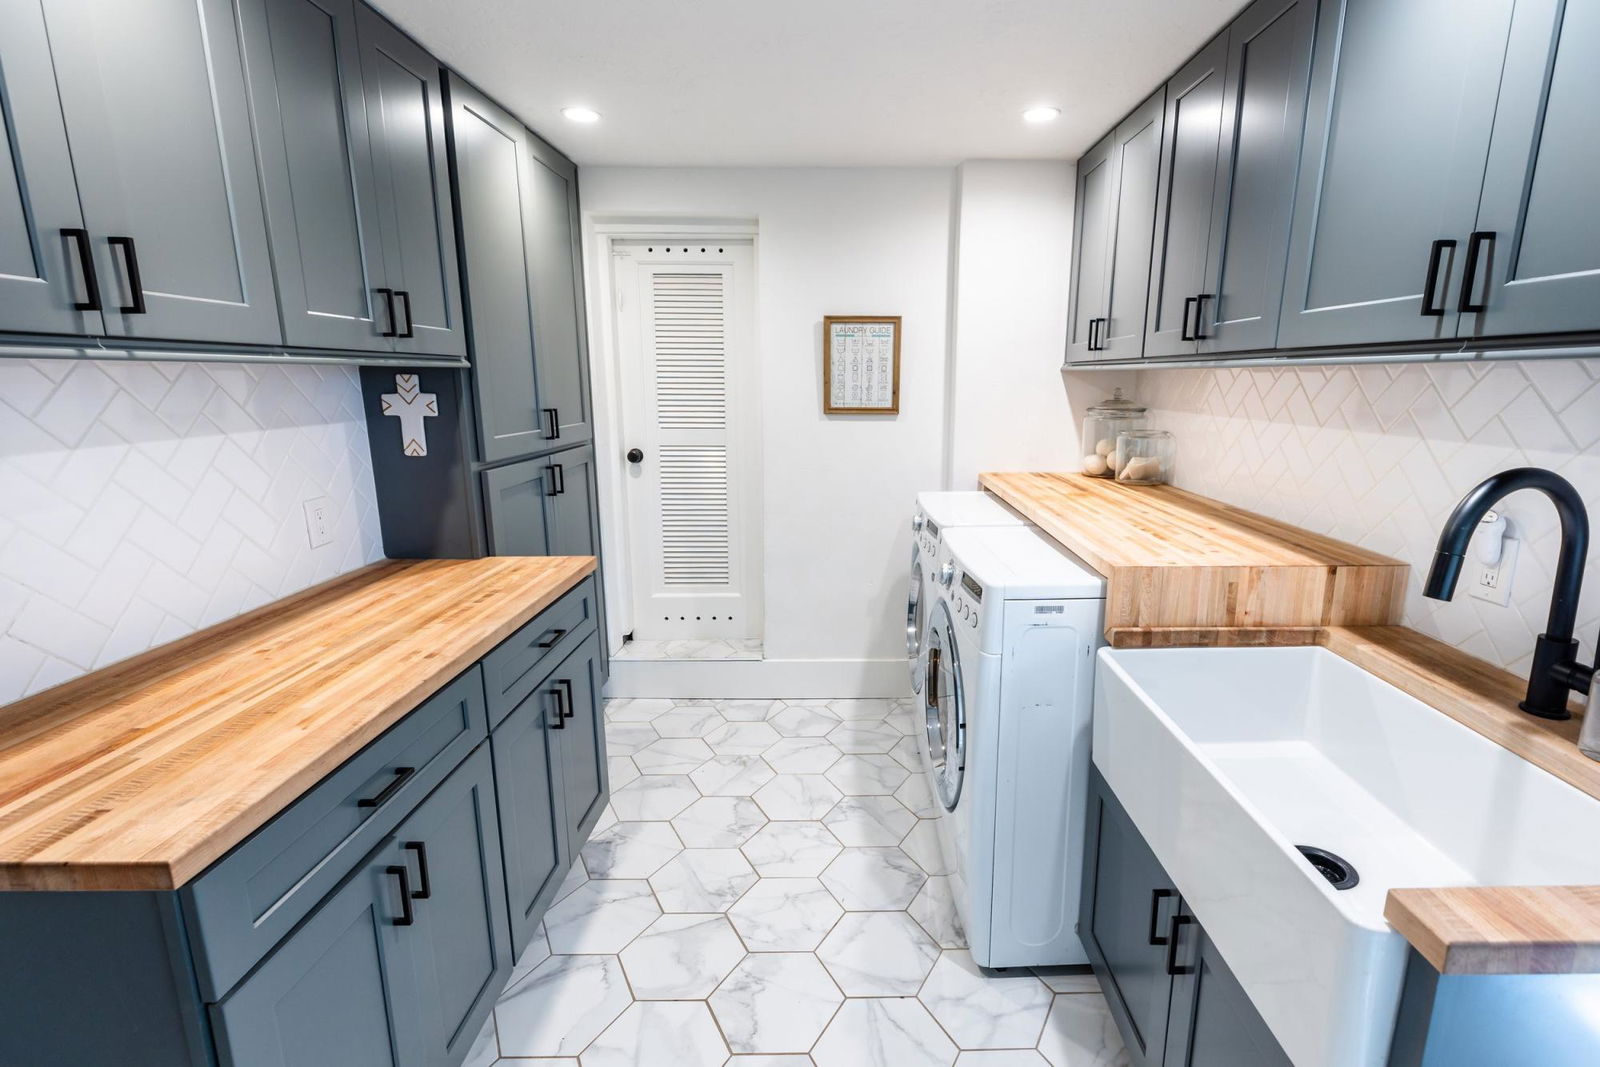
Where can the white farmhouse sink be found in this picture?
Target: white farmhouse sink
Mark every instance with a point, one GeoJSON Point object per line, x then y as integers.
{"type": "Point", "coordinates": [1226, 759]}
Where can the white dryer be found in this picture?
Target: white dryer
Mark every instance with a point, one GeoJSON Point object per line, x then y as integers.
{"type": "Point", "coordinates": [936, 513]}
{"type": "Point", "coordinates": [1011, 643]}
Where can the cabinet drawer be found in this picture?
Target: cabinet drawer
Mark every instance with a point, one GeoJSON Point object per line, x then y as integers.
{"type": "Point", "coordinates": [516, 665]}
{"type": "Point", "coordinates": [253, 896]}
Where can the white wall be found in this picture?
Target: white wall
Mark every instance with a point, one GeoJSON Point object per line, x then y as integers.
{"type": "Point", "coordinates": [143, 501]}
{"type": "Point", "coordinates": [1380, 455]}
{"type": "Point", "coordinates": [838, 490]}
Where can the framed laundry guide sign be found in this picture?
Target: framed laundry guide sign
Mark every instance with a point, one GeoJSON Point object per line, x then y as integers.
{"type": "Point", "coordinates": [861, 365]}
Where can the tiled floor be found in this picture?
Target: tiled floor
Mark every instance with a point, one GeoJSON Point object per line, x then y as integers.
{"type": "Point", "coordinates": [767, 887]}
{"type": "Point", "coordinates": [714, 648]}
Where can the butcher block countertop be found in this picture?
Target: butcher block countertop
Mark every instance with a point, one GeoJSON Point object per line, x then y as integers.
{"type": "Point", "coordinates": [1182, 569]}
{"type": "Point", "coordinates": [141, 775]}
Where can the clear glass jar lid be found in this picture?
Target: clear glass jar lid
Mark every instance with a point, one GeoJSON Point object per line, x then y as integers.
{"type": "Point", "coordinates": [1116, 406]}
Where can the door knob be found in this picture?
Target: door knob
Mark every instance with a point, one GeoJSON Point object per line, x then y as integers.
{"type": "Point", "coordinates": [635, 455]}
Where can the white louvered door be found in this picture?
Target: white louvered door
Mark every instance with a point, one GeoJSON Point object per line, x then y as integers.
{"type": "Point", "coordinates": [688, 362]}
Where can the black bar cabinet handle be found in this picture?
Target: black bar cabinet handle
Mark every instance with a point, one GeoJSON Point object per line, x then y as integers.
{"type": "Point", "coordinates": [550, 484]}
{"type": "Point", "coordinates": [402, 775]}
{"type": "Point", "coordinates": [1174, 936]}
{"type": "Point", "coordinates": [1199, 311]}
{"type": "Point", "coordinates": [550, 638]}
{"type": "Point", "coordinates": [130, 256]}
{"type": "Point", "coordinates": [405, 306]}
{"type": "Point", "coordinates": [1183, 331]}
{"type": "Point", "coordinates": [1097, 330]}
{"type": "Point", "coordinates": [568, 704]}
{"type": "Point", "coordinates": [561, 478]}
{"type": "Point", "coordinates": [91, 280]}
{"type": "Point", "coordinates": [553, 423]}
{"type": "Point", "coordinates": [1469, 270]}
{"type": "Point", "coordinates": [561, 715]}
{"type": "Point", "coordinates": [426, 889]}
{"type": "Point", "coordinates": [388, 302]}
{"type": "Point", "coordinates": [407, 916]}
{"type": "Point", "coordinates": [1430, 284]}
{"type": "Point", "coordinates": [1156, 897]}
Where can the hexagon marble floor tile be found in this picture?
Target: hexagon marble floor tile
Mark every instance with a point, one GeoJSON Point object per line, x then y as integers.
{"type": "Point", "coordinates": [766, 891]}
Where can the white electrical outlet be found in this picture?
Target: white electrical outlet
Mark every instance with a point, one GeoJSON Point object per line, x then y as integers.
{"type": "Point", "coordinates": [319, 521]}
{"type": "Point", "coordinates": [1494, 579]}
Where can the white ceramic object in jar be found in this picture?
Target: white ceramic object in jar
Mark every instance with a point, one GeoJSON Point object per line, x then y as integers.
{"type": "Point", "coordinates": [1102, 424]}
{"type": "Point", "coordinates": [1144, 457]}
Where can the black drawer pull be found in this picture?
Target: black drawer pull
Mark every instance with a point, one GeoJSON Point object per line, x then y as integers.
{"type": "Point", "coordinates": [568, 703]}
{"type": "Point", "coordinates": [1430, 284]}
{"type": "Point", "coordinates": [405, 305]}
{"type": "Point", "coordinates": [1156, 897]}
{"type": "Point", "coordinates": [130, 256]}
{"type": "Point", "coordinates": [91, 279]}
{"type": "Point", "coordinates": [388, 303]}
{"type": "Point", "coordinates": [1199, 310]}
{"type": "Point", "coordinates": [402, 775]}
{"type": "Point", "coordinates": [550, 637]}
{"type": "Point", "coordinates": [1469, 271]}
{"type": "Point", "coordinates": [426, 889]}
{"type": "Point", "coordinates": [552, 418]}
{"type": "Point", "coordinates": [1174, 936]}
{"type": "Point", "coordinates": [1183, 331]}
{"type": "Point", "coordinates": [561, 711]}
{"type": "Point", "coordinates": [407, 916]}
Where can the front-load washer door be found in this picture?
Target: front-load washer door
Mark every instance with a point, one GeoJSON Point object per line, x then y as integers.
{"type": "Point", "coordinates": [945, 708]}
{"type": "Point", "coordinates": [914, 612]}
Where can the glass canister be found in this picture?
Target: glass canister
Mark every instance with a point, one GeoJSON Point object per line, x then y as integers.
{"type": "Point", "coordinates": [1143, 457]}
{"type": "Point", "coordinates": [1101, 425]}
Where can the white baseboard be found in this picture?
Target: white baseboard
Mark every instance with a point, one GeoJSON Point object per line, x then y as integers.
{"type": "Point", "coordinates": [790, 679]}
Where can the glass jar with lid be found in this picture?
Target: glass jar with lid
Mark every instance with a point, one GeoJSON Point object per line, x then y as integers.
{"type": "Point", "coordinates": [1101, 425]}
{"type": "Point", "coordinates": [1144, 457]}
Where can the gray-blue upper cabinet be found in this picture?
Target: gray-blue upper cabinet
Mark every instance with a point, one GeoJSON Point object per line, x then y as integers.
{"type": "Point", "coordinates": [560, 336]}
{"type": "Point", "coordinates": [157, 117]}
{"type": "Point", "coordinates": [1537, 239]}
{"type": "Point", "coordinates": [1137, 148]}
{"type": "Point", "coordinates": [350, 122]}
{"type": "Point", "coordinates": [1094, 207]}
{"type": "Point", "coordinates": [47, 271]}
{"type": "Point", "coordinates": [341, 991]}
{"type": "Point", "coordinates": [1402, 102]}
{"type": "Point", "coordinates": [1263, 116]}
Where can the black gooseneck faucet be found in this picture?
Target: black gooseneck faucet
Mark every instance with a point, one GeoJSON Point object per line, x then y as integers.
{"type": "Point", "coordinates": [1556, 669]}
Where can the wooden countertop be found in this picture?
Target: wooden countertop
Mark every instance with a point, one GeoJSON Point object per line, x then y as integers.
{"type": "Point", "coordinates": [139, 776]}
{"type": "Point", "coordinates": [1181, 569]}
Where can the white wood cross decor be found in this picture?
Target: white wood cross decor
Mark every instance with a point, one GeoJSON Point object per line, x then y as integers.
{"type": "Point", "coordinates": [411, 407]}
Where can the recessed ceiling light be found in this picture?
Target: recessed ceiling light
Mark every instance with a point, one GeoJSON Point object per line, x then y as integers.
{"type": "Point", "coordinates": [1041, 114]}
{"type": "Point", "coordinates": [581, 114]}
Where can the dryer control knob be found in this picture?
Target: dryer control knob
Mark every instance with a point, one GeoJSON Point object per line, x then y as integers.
{"type": "Point", "coordinates": [947, 574]}
{"type": "Point", "coordinates": [974, 618]}
{"type": "Point", "coordinates": [916, 523]}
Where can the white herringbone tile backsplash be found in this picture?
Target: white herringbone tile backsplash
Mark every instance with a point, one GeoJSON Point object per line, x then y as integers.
{"type": "Point", "coordinates": [1380, 455]}
{"type": "Point", "coordinates": [142, 501]}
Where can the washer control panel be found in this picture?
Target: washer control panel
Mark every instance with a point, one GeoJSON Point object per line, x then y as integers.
{"type": "Point", "coordinates": [965, 598]}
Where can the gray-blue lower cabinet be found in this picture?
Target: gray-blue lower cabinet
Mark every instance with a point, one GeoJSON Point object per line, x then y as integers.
{"type": "Point", "coordinates": [1174, 1000]}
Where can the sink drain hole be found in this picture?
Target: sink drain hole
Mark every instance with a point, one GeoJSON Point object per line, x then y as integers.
{"type": "Point", "coordinates": [1339, 872]}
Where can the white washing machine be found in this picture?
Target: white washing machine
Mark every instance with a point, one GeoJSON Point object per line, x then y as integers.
{"type": "Point", "coordinates": [1011, 642]}
{"type": "Point", "coordinates": [936, 513]}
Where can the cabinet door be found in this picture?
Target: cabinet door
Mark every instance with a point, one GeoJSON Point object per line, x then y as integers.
{"type": "Point", "coordinates": [1212, 1022]}
{"type": "Point", "coordinates": [406, 115]}
{"type": "Point", "coordinates": [311, 121]}
{"type": "Point", "coordinates": [157, 116]}
{"type": "Point", "coordinates": [1402, 98]}
{"type": "Point", "coordinates": [573, 519]}
{"type": "Point", "coordinates": [527, 776]}
{"type": "Point", "coordinates": [462, 950]}
{"type": "Point", "coordinates": [1263, 115]}
{"type": "Point", "coordinates": [42, 267]}
{"type": "Point", "coordinates": [583, 742]}
{"type": "Point", "coordinates": [1137, 145]}
{"type": "Point", "coordinates": [1190, 143]}
{"type": "Point", "coordinates": [493, 184]}
{"type": "Point", "coordinates": [1541, 194]}
{"type": "Point", "coordinates": [560, 346]}
{"type": "Point", "coordinates": [1091, 245]}
{"type": "Point", "coordinates": [339, 992]}
{"type": "Point", "coordinates": [1128, 909]}
{"type": "Point", "coordinates": [516, 504]}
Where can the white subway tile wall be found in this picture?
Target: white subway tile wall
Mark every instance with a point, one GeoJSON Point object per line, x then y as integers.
{"type": "Point", "coordinates": [140, 502]}
{"type": "Point", "coordinates": [1379, 456]}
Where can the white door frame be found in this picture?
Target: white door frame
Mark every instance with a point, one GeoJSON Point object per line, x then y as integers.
{"type": "Point", "coordinates": [605, 360]}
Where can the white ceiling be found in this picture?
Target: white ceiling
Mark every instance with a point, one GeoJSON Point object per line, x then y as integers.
{"type": "Point", "coordinates": [814, 82]}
